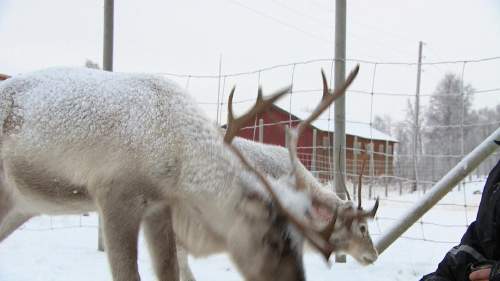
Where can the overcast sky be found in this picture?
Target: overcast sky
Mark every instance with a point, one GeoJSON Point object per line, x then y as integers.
{"type": "Point", "coordinates": [189, 36]}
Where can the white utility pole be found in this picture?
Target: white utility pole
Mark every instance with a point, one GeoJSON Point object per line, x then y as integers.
{"type": "Point", "coordinates": [107, 64]}
{"type": "Point", "coordinates": [416, 129]}
{"type": "Point", "coordinates": [339, 107]}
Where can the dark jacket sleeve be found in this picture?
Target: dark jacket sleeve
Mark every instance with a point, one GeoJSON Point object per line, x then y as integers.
{"type": "Point", "coordinates": [455, 266]}
{"type": "Point", "coordinates": [481, 241]}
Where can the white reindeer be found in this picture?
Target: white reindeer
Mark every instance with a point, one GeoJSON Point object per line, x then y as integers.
{"type": "Point", "coordinates": [350, 236]}
{"type": "Point", "coordinates": [137, 149]}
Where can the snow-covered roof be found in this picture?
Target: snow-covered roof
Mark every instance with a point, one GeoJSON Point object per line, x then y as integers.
{"type": "Point", "coordinates": [351, 128]}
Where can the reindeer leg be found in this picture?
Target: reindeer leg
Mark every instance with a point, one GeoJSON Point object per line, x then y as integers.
{"type": "Point", "coordinates": [9, 219]}
{"type": "Point", "coordinates": [11, 222]}
{"type": "Point", "coordinates": [121, 206]}
{"type": "Point", "coordinates": [161, 242]}
{"type": "Point", "coordinates": [185, 271]}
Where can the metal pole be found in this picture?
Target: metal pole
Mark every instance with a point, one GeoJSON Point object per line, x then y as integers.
{"type": "Point", "coordinates": [440, 189]}
{"type": "Point", "coordinates": [356, 151]}
{"type": "Point", "coordinates": [386, 167]}
{"type": "Point", "coordinates": [219, 102]}
{"type": "Point", "coordinates": [371, 169]}
{"type": "Point", "coordinates": [462, 116]}
{"type": "Point", "coordinates": [107, 64]}
{"type": "Point", "coordinates": [339, 118]}
{"type": "Point", "coordinates": [261, 130]}
{"type": "Point", "coordinates": [416, 130]}
{"type": "Point", "coordinates": [339, 107]}
{"type": "Point", "coordinates": [313, 156]}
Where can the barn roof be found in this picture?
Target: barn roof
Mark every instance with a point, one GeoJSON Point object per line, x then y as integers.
{"type": "Point", "coordinates": [351, 128]}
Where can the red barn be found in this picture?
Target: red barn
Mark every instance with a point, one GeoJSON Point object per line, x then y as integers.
{"type": "Point", "coordinates": [315, 145]}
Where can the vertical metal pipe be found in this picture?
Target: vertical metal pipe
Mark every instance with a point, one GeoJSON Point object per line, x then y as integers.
{"type": "Point", "coordinates": [356, 151]}
{"type": "Point", "coordinates": [371, 168]}
{"type": "Point", "coordinates": [261, 130]}
{"type": "Point", "coordinates": [339, 107]}
{"type": "Point", "coordinates": [386, 167]}
{"type": "Point", "coordinates": [107, 64]}
{"type": "Point", "coordinates": [339, 118]}
{"type": "Point", "coordinates": [416, 130]}
{"type": "Point", "coordinates": [313, 156]}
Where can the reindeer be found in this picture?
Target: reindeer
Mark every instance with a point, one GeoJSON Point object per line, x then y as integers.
{"type": "Point", "coordinates": [137, 149]}
{"type": "Point", "coordinates": [350, 236]}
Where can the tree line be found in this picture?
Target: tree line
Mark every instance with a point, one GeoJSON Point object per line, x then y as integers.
{"type": "Point", "coordinates": [448, 128]}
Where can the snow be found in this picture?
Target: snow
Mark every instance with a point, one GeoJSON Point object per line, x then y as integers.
{"type": "Point", "coordinates": [64, 248]}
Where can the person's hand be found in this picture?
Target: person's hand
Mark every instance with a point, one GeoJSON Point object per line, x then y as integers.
{"type": "Point", "coordinates": [480, 275]}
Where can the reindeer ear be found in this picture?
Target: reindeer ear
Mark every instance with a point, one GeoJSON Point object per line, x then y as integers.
{"type": "Point", "coordinates": [255, 206]}
{"type": "Point", "coordinates": [322, 213]}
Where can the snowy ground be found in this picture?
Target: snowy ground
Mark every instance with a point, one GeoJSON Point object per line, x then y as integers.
{"type": "Point", "coordinates": [64, 248]}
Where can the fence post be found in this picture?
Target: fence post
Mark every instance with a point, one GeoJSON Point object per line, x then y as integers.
{"type": "Point", "coordinates": [386, 167]}
{"type": "Point", "coordinates": [326, 168]}
{"type": "Point", "coordinates": [286, 138]}
{"type": "Point", "coordinates": [416, 129]}
{"type": "Point", "coordinates": [371, 168]}
{"type": "Point", "coordinates": [261, 130]}
{"type": "Point", "coordinates": [107, 65]}
{"type": "Point", "coordinates": [356, 150]}
{"type": "Point", "coordinates": [339, 106]}
{"type": "Point", "coordinates": [313, 156]}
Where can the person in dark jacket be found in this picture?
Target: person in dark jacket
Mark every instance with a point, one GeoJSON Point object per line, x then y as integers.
{"type": "Point", "coordinates": [477, 257]}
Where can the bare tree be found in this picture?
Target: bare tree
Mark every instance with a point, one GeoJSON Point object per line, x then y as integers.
{"type": "Point", "coordinates": [383, 123]}
{"type": "Point", "coordinates": [449, 108]}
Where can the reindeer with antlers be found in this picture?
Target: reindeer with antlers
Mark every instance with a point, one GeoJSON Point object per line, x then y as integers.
{"type": "Point", "coordinates": [350, 234]}
{"type": "Point", "coordinates": [138, 150]}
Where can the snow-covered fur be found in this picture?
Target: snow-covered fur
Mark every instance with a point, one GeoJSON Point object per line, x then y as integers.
{"type": "Point", "coordinates": [275, 161]}
{"type": "Point", "coordinates": [136, 149]}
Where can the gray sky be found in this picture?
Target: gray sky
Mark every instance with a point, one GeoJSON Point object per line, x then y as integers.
{"type": "Point", "coordinates": [189, 36]}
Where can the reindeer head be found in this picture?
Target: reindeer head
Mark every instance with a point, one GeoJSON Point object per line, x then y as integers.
{"type": "Point", "coordinates": [351, 235]}
{"type": "Point", "coordinates": [267, 242]}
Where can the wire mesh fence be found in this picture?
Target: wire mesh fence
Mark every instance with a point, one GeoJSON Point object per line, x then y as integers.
{"type": "Point", "coordinates": [459, 107]}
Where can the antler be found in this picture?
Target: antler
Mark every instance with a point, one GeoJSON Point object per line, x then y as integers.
{"type": "Point", "coordinates": [261, 105]}
{"type": "Point", "coordinates": [293, 135]}
{"type": "Point", "coordinates": [360, 182]}
{"type": "Point", "coordinates": [327, 100]}
{"type": "Point", "coordinates": [317, 238]}
{"type": "Point", "coordinates": [371, 213]}
{"type": "Point", "coordinates": [350, 215]}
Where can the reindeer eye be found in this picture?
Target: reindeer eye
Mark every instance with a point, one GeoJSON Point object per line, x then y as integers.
{"type": "Point", "coordinates": [274, 245]}
{"type": "Point", "coordinates": [362, 229]}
